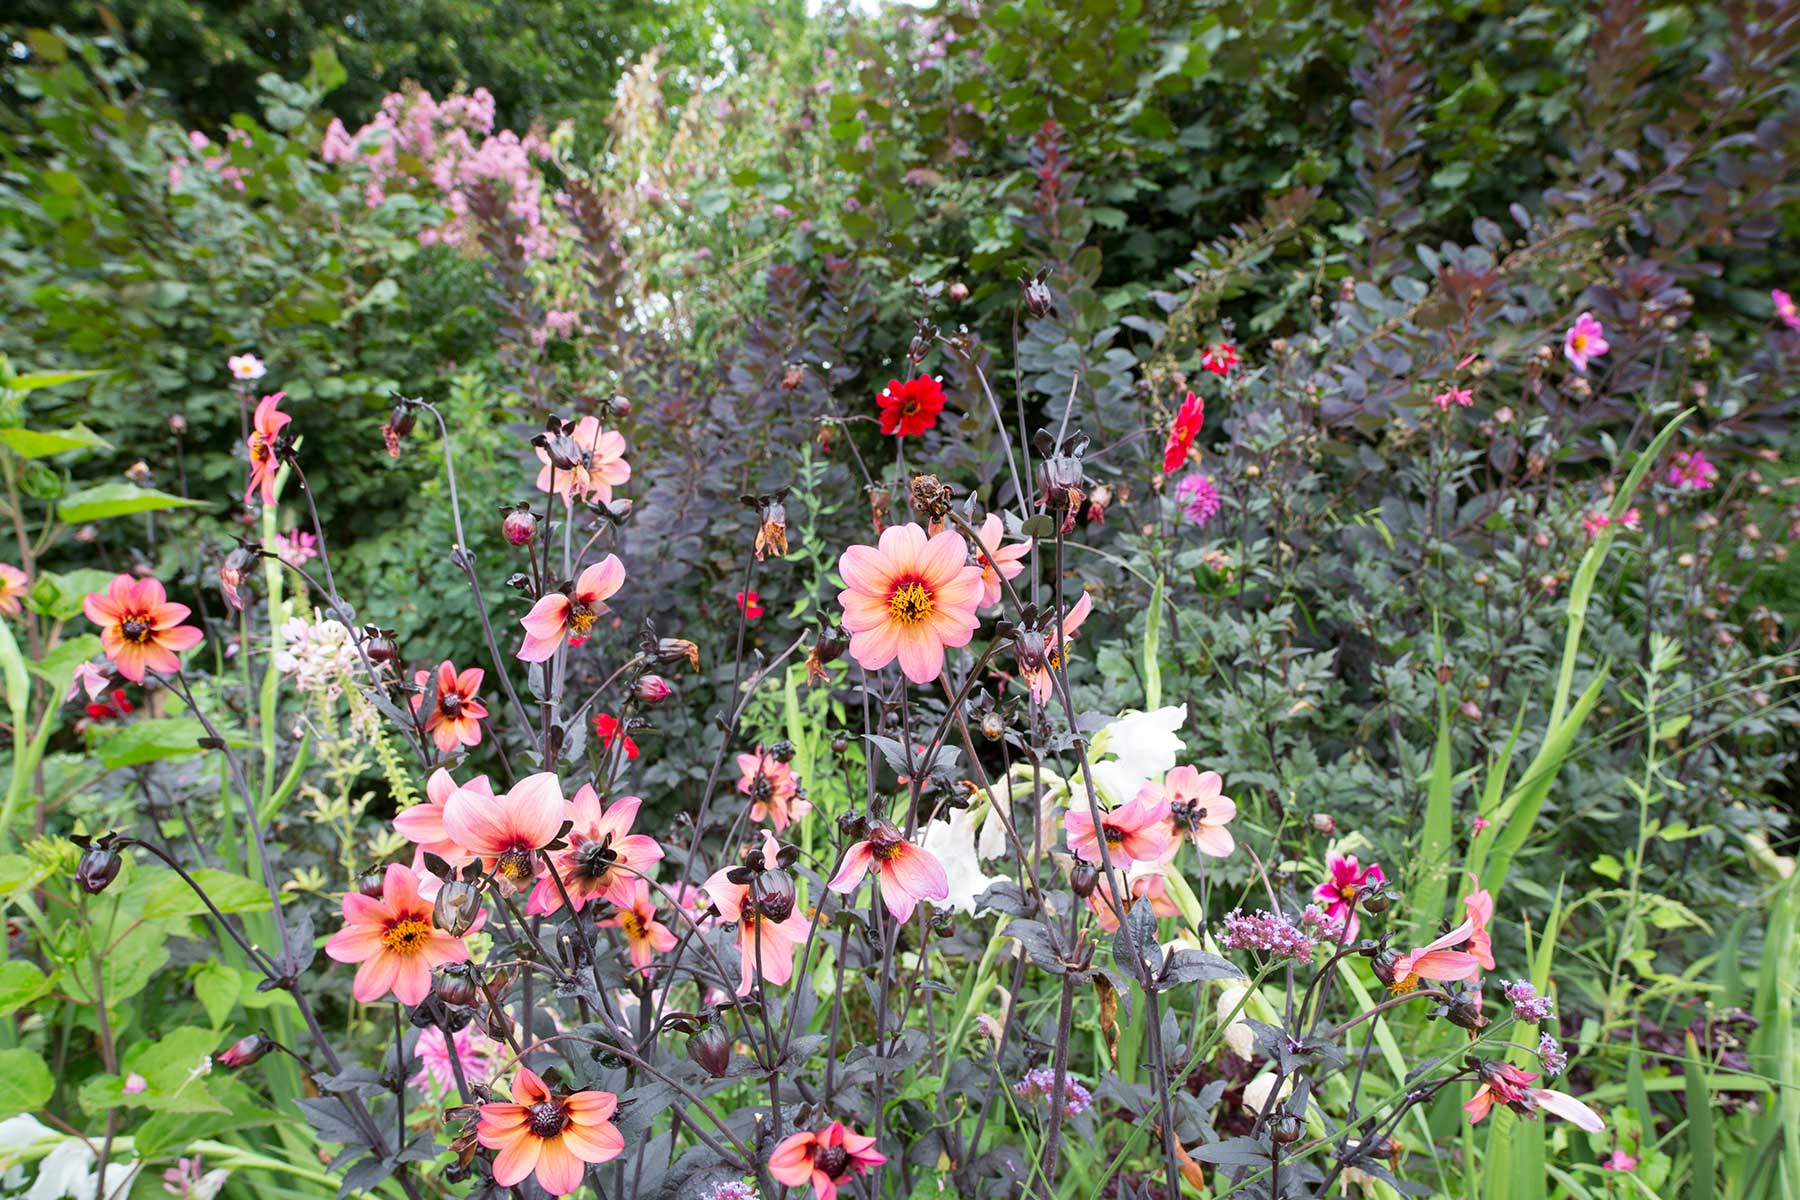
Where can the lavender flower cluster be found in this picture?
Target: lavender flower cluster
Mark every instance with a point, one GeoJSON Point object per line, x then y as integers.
{"type": "Point", "coordinates": [1039, 1082]}
{"type": "Point", "coordinates": [1526, 1003]}
{"type": "Point", "coordinates": [1269, 932]}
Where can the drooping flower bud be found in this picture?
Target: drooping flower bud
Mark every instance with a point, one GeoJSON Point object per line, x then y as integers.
{"type": "Point", "coordinates": [652, 690]}
{"type": "Point", "coordinates": [456, 908]}
{"type": "Point", "coordinates": [1083, 879]}
{"type": "Point", "coordinates": [559, 445]}
{"type": "Point", "coordinates": [710, 1049]}
{"type": "Point", "coordinates": [1286, 1129]}
{"type": "Point", "coordinates": [99, 865]}
{"type": "Point", "coordinates": [1036, 292]}
{"type": "Point", "coordinates": [244, 1051]}
{"type": "Point", "coordinates": [774, 892]}
{"type": "Point", "coordinates": [1324, 824]}
{"type": "Point", "coordinates": [456, 984]}
{"type": "Point", "coordinates": [371, 881]}
{"type": "Point", "coordinates": [233, 573]}
{"type": "Point", "coordinates": [379, 644]}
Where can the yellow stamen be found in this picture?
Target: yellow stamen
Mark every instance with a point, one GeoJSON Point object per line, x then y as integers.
{"type": "Point", "coordinates": [911, 603]}
{"type": "Point", "coordinates": [633, 927]}
{"type": "Point", "coordinates": [581, 619]}
{"type": "Point", "coordinates": [407, 935]}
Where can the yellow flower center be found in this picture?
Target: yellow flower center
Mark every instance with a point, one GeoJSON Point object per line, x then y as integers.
{"type": "Point", "coordinates": [407, 935]}
{"type": "Point", "coordinates": [259, 446]}
{"type": "Point", "coordinates": [517, 866]}
{"type": "Point", "coordinates": [911, 603]}
{"type": "Point", "coordinates": [633, 927]}
{"type": "Point", "coordinates": [1580, 341]}
{"type": "Point", "coordinates": [1403, 984]}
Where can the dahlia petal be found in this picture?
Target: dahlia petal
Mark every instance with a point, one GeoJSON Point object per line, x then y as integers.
{"type": "Point", "coordinates": [375, 978]}
{"type": "Point", "coordinates": [855, 866]}
{"type": "Point", "coordinates": [921, 655]}
{"type": "Point", "coordinates": [353, 944]}
{"type": "Point", "coordinates": [558, 1170]}
{"type": "Point", "coordinates": [548, 618]}
{"type": "Point", "coordinates": [536, 808]}
{"type": "Point", "coordinates": [1216, 840]}
{"type": "Point", "coordinates": [517, 1159]}
{"type": "Point", "coordinates": [594, 1143]}
{"type": "Point", "coordinates": [1569, 1109]}
{"type": "Point", "coordinates": [412, 981]}
{"type": "Point", "coordinates": [919, 872]}
{"type": "Point", "coordinates": [602, 579]}
{"type": "Point", "coordinates": [873, 649]}
{"type": "Point", "coordinates": [476, 822]}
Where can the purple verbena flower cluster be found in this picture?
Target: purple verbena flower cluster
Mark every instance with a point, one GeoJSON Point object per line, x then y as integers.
{"type": "Point", "coordinates": [1039, 1082]}
{"type": "Point", "coordinates": [1269, 932]}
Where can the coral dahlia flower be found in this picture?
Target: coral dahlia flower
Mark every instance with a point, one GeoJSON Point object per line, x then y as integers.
{"type": "Point", "coordinates": [904, 873]}
{"type": "Point", "coordinates": [1135, 832]}
{"type": "Point", "coordinates": [910, 408]}
{"type": "Point", "coordinates": [1586, 340]}
{"type": "Point", "coordinates": [826, 1158]}
{"type": "Point", "coordinates": [645, 936]}
{"type": "Point", "coordinates": [456, 719]}
{"type": "Point", "coordinates": [1479, 909]}
{"type": "Point", "coordinates": [909, 598]}
{"type": "Point", "coordinates": [1200, 810]}
{"type": "Point", "coordinates": [1506, 1084]}
{"type": "Point", "coordinates": [506, 832]}
{"type": "Point", "coordinates": [1435, 961]}
{"type": "Point", "coordinates": [394, 939]}
{"type": "Point", "coordinates": [13, 584]}
{"type": "Point", "coordinates": [1146, 884]}
{"type": "Point", "coordinates": [1038, 672]}
{"type": "Point", "coordinates": [553, 1136]}
{"type": "Point", "coordinates": [1347, 880]}
{"type": "Point", "coordinates": [1007, 563]}
{"type": "Point", "coordinates": [770, 928]}
{"type": "Point", "coordinates": [773, 788]}
{"type": "Point", "coordinates": [603, 858]}
{"type": "Point", "coordinates": [265, 430]}
{"type": "Point", "coordinates": [423, 823]}
{"type": "Point", "coordinates": [601, 469]}
{"type": "Point", "coordinates": [139, 629]}
{"type": "Point", "coordinates": [1188, 420]}
{"type": "Point", "coordinates": [558, 615]}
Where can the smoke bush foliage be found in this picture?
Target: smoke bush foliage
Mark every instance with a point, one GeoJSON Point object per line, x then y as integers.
{"type": "Point", "coordinates": [1122, 601]}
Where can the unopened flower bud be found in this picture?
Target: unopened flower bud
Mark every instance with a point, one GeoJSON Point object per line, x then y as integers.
{"type": "Point", "coordinates": [992, 726]}
{"type": "Point", "coordinates": [1324, 824]}
{"type": "Point", "coordinates": [1377, 900]}
{"type": "Point", "coordinates": [456, 984]}
{"type": "Point", "coordinates": [1083, 879]}
{"type": "Point", "coordinates": [774, 892]}
{"type": "Point", "coordinates": [379, 644]}
{"type": "Point", "coordinates": [178, 424]}
{"type": "Point", "coordinates": [520, 525]}
{"type": "Point", "coordinates": [959, 291]}
{"type": "Point", "coordinates": [710, 1049]}
{"type": "Point", "coordinates": [652, 690]}
{"type": "Point", "coordinates": [1036, 293]}
{"type": "Point", "coordinates": [457, 907]}
{"type": "Point", "coordinates": [619, 406]}
{"type": "Point", "coordinates": [99, 866]}
{"type": "Point", "coordinates": [245, 1051]}
{"type": "Point", "coordinates": [853, 825]}
{"type": "Point", "coordinates": [372, 881]}
{"type": "Point", "coordinates": [558, 445]}
{"type": "Point", "coordinates": [782, 751]}
{"type": "Point", "coordinates": [1286, 1129]}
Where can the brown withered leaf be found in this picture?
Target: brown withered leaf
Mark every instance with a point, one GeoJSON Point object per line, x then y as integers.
{"type": "Point", "coordinates": [1109, 1014]}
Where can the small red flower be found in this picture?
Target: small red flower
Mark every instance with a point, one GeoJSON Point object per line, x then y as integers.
{"type": "Point", "coordinates": [115, 707]}
{"type": "Point", "coordinates": [1188, 420]}
{"type": "Point", "coordinates": [1219, 358]}
{"type": "Point", "coordinates": [456, 719]}
{"type": "Point", "coordinates": [607, 727]}
{"type": "Point", "coordinates": [910, 408]}
{"type": "Point", "coordinates": [750, 604]}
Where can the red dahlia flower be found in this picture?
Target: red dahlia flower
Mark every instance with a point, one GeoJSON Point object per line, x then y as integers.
{"type": "Point", "coordinates": [909, 409]}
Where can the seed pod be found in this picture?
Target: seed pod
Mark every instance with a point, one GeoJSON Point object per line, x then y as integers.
{"type": "Point", "coordinates": [457, 985]}
{"type": "Point", "coordinates": [710, 1050]}
{"type": "Point", "coordinates": [457, 907]}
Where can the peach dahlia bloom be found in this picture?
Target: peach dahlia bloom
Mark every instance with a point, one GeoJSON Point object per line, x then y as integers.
{"type": "Point", "coordinates": [908, 598]}
{"type": "Point", "coordinates": [13, 584]}
{"type": "Point", "coordinates": [456, 718]}
{"type": "Point", "coordinates": [645, 936]}
{"type": "Point", "coordinates": [603, 466]}
{"type": "Point", "coordinates": [549, 1135]}
{"type": "Point", "coordinates": [826, 1158]}
{"type": "Point", "coordinates": [506, 832]}
{"type": "Point", "coordinates": [557, 615]}
{"type": "Point", "coordinates": [1135, 832]}
{"type": "Point", "coordinates": [394, 939]}
{"type": "Point", "coordinates": [904, 873]}
{"type": "Point", "coordinates": [603, 858]}
{"type": "Point", "coordinates": [1007, 563]}
{"type": "Point", "coordinates": [139, 629]}
{"type": "Point", "coordinates": [773, 788]}
{"type": "Point", "coordinates": [423, 823]}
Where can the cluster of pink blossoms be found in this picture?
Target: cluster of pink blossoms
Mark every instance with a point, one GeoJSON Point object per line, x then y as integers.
{"type": "Point", "coordinates": [455, 139]}
{"type": "Point", "coordinates": [219, 162]}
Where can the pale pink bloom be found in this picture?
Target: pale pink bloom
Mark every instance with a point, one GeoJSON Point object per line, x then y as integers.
{"type": "Point", "coordinates": [1479, 824]}
{"type": "Point", "coordinates": [773, 788]}
{"type": "Point", "coordinates": [135, 1084]}
{"type": "Point", "coordinates": [423, 824]}
{"type": "Point", "coordinates": [246, 367]}
{"type": "Point", "coordinates": [728, 897]}
{"type": "Point", "coordinates": [1200, 810]}
{"type": "Point", "coordinates": [395, 941]}
{"type": "Point", "coordinates": [1586, 340]}
{"type": "Point", "coordinates": [1508, 1085]}
{"type": "Point", "coordinates": [904, 873]}
{"type": "Point", "coordinates": [1007, 563]}
{"type": "Point", "coordinates": [1631, 520]}
{"type": "Point", "coordinates": [770, 939]}
{"type": "Point", "coordinates": [1462, 397]}
{"type": "Point", "coordinates": [14, 583]}
{"type": "Point", "coordinates": [909, 598]}
{"type": "Point", "coordinates": [603, 466]}
{"type": "Point", "coordinates": [1479, 909]}
{"type": "Point", "coordinates": [474, 1050]}
{"type": "Point", "coordinates": [1595, 524]}
{"type": "Point", "coordinates": [557, 616]}
{"type": "Point", "coordinates": [603, 858]}
{"type": "Point", "coordinates": [1135, 832]}
{"type": "Point", "coordinates": [827, 1159]}
{"type": "Point", "coordinates": [90, 679]}
{"type": "Point", "coordinates": [645, 936]}
{"type": "Point", "coordinates": [297, 547]}
{"type": "Point", "coordinates": [1348, 880]}
{"type": "Point", "coordinates": [1038, 674]}
{"type": "Point", "coordinates": [506, 832]}
{"type": "Point", "coordinates": [1618, 1160]}
{"type": "Point", "coordinates": [1786, 309]}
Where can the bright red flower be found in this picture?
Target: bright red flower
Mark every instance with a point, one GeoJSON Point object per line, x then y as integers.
{"type": "Point", "coordinates": [139, 629]}
{"type": "Point", "coordinates": [456, 719]}
{"type": "Point", "coordinates": [550, 1135]}
{"type": "Point", "coordinates": [826, 1158]}
{"type": "Point", "coordinates": [1188, 420]}
{"type": "Point", "coordinates": [114, 707]}
{"type": "Point", "coordinates": [265, 428]}
{"type": "Point", "coordinates": [910, 408]}
{"type": "Point", "coordinates": [749, 603]}
{"type": "Point", "coordinates": [606, 726]}
{"type": "Point", "coordinates": [1219, 358]}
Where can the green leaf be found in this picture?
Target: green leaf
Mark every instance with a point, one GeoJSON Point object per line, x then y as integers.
{"type": "Point", "coordinates": [217, 988]}
{"type": "Point", "coordinates": [36, 443]}
{"type": "Point", "coordinates": [172, 897]}
{"type": "Point", "coordinates": [20, 983]}
{"type": "Point", "coordinates": [18, 873]}
{"type": "Point", "coordinates": [59, 595]}
{"type": "Point", "coordinates": [1607, 867]}
{"type": "Point", "coordinates": [150, 741]}
{"type": "Point", "coordinates": [44, 379]}
{"type": "Point", "coordinates": [117, 499]}
{"type": "Point", "coordinates": [25, 1083]}
{"type": "Point", "coordinates": [57, 668]}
